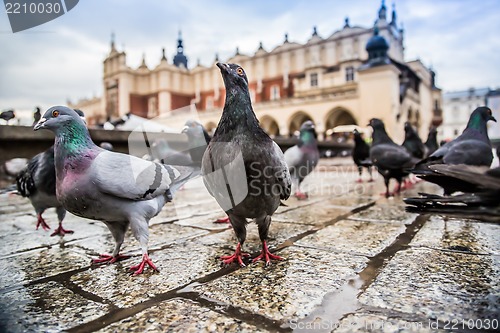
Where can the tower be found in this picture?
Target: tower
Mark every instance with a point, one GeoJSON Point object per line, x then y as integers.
{"type": "Point", "coordinates": [180, 60]}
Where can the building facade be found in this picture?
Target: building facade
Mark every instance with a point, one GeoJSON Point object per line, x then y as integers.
{"type": "Point", "coordinates": [349, 77]}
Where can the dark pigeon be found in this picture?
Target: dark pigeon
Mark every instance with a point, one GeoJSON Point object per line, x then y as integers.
{"type": "Point", "coordinates": [303, 157]}
{"type": "Point", "coordinates": [7, 115]}
{"type": "Point", "coordinates": [37, 182]}
{"type": "Point", "coordinates": [243, 168]}
{"type": "Point", "coordinates": [412, 142]}
{"type": "Point", "coordinates": [361, 155]}
{"type": "Point", "coordinates": [479, 192]}
{"type": "Point", "coordinates": [88, 186]}
{"type": "Point", "coordinates": [391, 159]}
{"type": "Point", "coordinates": [472, 147]}
{"type": "Point", "coordinates": [431, 145]}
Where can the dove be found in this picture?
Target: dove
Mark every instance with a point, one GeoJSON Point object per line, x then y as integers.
{"type": "Point", "coordinates": [472, 147]}
{"type": "Point", "coordinates": [37, 182]}
{"type": "Point", "coordinates": [87, 183]}
{"type": "Point", "coordinates": [303, 157]}
{"type": "Point", "coordinates": [480, 190]}
{"type": "Point", "coordinates": [412, 142]}
{"type": "Point", "coordinates": [198, 139]}
{"type": "Point", "coordinates": [7, 115]}
{"type": "Point", "coordinates": [243, 168]}
{"type": "Point", "coordinates": [431, 144]}
{"type": "Point", "coordinates": [361, 155]}
{"type": "Point", "coordinates": [391, 159]}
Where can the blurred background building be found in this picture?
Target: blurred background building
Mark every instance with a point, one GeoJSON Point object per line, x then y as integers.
{"type": "Point", "coordinates": [352, 75]}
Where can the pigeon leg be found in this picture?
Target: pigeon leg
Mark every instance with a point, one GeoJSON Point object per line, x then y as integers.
{"type": "Point", "coordinates": [265, 255]}
{"type": "Point", "coordinates": [387, 193]}
{"type": "Point", "coordinates": [371, 176]}
{"type": "Point", "coordinates": [41, 222]}
{"type": "Point", "coordinates": [239, 227]}
{"type": "Point", "coordinates": [61, 213]}
{"type": "Point", "coordinates": [118, 231]}
{"type": "Point", "coordinates": [360, 171]}
{"type": "Point", "coordinates": [139, 228]}
{"type": "Point", "coordinates": [223, 220]}
{"type": "Point", "coordinates": [300, 195]}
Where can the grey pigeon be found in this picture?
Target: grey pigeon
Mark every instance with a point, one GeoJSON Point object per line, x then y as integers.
{"type": "Point", "coordinates": [7, 115]}
{"type": "Point", "coordinates": [391, 159]}
{"type": "Point", "coordinates": [472, 147]}
{"type": "Point", "coordinates": [361, 155]}
{"type": "Point", "coordinates": [37, 182]}
{"type": "Point", "coordinates": [303, 157]}
{"type": "Point", "coordinates": [431, 145]}
{"type": "Point", "coordinates": [480, 192]}
{"type": "Point", "coordinates": [88, 186]}
{"type": "Point", "coordinates": [243, 168]}
{"type": "Point", "coordinates": [412, 142]}
{"type": "Point", "coordinates": [198, 139]}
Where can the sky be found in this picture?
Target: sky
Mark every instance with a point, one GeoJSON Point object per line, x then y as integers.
{"type": "Point", "coordinates": [62, 59]}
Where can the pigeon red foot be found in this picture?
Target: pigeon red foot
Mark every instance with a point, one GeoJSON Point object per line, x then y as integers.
{"type": "Point", "coordinates": [41, 222]}
{"type": "Point", "coordinates": [359, 180]}
{"type": "Point", "coordinates": [140, 267]}
{"type": "Point", "coordinates": [223, 220]}
{"type": "Point", "coordinates": [109, 259]}
{"type": "Point", "coordinates": [61, 231]}
{"type": "Point", "coordinates": [266, 255]}
{"type": "Point", "coordinates": [237, 256]}
{"type": "Point", "coordinates": [301, 195]}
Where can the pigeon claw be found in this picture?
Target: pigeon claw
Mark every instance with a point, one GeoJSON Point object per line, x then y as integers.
{"type": "Point", "coordinates": [223, 220]}
{"type": "Point", "coordinates": [301, 196]}
{"type": "Point", "coordinates": [139, 269]}
{"type": "Point", "coordinates": [266, 255]}
{"type": "Point", "coordinates": [41, 222]}
{"type": "Point", "coordinates": [109, 259]}
{"type": "Point", "coordinates": [61, 231]}
{"type": "Point", "coordinates": [359, 180]}
{"type": "Point", "coordinates": [237, 256]}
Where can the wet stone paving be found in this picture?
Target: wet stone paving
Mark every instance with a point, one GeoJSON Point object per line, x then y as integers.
{"type": "Point", "coordinates": [354, 261]}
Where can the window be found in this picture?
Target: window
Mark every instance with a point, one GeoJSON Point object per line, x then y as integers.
{"type": "Point", "coordinates": [209, 103]}
{"type": "Point", "coordinates": [349, 74]}
{"type": "Point", "coordinates": [275, 92]}
{"type": "Point", "coordinates": [314, 79]}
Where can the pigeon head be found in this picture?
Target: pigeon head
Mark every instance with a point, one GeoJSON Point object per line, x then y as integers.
{"type": "Point", "coordinates": [408, 127]}
{"type": "Point", "coordinates": [233, 75]}
{"type": "Point", "coordinates": [484, 112]}
{"type": "Point", "coordinates": [59, 117]}
{"type": "Point", "coordinates": [308, 132]}
{"type": "Point", "coordinates": [479, 117]}
{"type": "Point", "coordinates": [376, 123]}
{"type": "Point", "coordinates": [196, 132]}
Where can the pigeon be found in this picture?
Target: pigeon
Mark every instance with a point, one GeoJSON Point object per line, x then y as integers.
{"type": "Point", "coordinates": [480, 192]}
{"type": "Point", "coordinates": [391, 159]}
{"type": "Point", "coordinates": [7, 115]}
{"type": "Point", "coordinates": [361, 155]}
{"type": "Point", "coordinates": [431, 144]}
{"type": "Point", "coordinates": [198, 139]}
{"type": "Point", "coordinates": [88, 186]}
{"type": "Point", "coordinates": [37, 182]}
{"type": "Point", "coordinates": [412, 142]}
{"type": "Point", "coordinates": [472, 147]}
{"type": "Point", "coordinates": [243, 168]}
{"type": "Point", "coordinates": [303, 157]}
{"type": "Point", "coordinates": [106, 145]}
{"type": "Point", "coordinates": [164, 154]}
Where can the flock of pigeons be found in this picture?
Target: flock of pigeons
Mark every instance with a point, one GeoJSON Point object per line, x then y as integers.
{"type": "Point", "coordinates": [242, 168]}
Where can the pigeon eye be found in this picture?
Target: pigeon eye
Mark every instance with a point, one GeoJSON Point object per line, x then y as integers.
{"type": "Point", "coordinates": [239, 71]}
{"type": "Point", "coordinates": [55, 113]}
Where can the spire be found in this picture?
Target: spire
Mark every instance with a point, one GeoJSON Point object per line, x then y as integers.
{"type": "Point", "coordinates": [113, 48]}
{"type": "Point", "coordinates": [198, 62]}
{"type": "Point", "coordinates": [261, 47]}
{"type": "Point", "coordinates": [237, 51]}
{"type": "Point", "coordinates": [286, 38]}
{"type": "Point", "coordinates": [393, 18]}
{"type": "Point", "coordinates": [315, 31]}
{"type": "Point", "coordinates": [180, 59]}
{"type": "Point", "coordinates": [143, 63]}
{"type": "Point", "coordinates": [216, 57]}
{"type": "Point", "coordinates": [382, 12]}
{"type": "Point", "coordinates": [346, 23]}
{"type": "Point", "coordinates": [163, 56]}
{"type": "Point", "coordinates": [377, 48]}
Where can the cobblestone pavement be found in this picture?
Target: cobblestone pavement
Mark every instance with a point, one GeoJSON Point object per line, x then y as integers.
{"type": "Point", "coordinates": [355, 261]}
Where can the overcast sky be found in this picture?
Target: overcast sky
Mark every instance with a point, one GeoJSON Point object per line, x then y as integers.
{"type": "Point", "coordinates": [62, 59]}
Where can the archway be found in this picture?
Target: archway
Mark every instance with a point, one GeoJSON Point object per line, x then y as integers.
{"type": "Point", "coordinates": [296, 120]}
{"type": "Point", "coordinates": [270, 125]}
{"type": "Point", "coordinates": [338, 117]}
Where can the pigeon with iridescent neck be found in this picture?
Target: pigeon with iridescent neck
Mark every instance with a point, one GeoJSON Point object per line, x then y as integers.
{"type": "Point", "coordinates": [472, 147]}
{"type": "Point", "coordinates": [87, 184]}
{"type": "Point", "coordinates": [303, 157]}
{"type": "Point", "coordinates": [37, 182]}
{"type": "Point", "coordinates": [243, 168]}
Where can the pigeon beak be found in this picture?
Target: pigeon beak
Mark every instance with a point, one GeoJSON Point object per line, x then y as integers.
{"type": "Point", "coordinates": [493, 118]}
{"type": "Point", "coordinates": [223, 67]}
{"type": "Point", "coordinates": [40, 124]}
{"type": "Point", "coordinates": [185, 129]}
